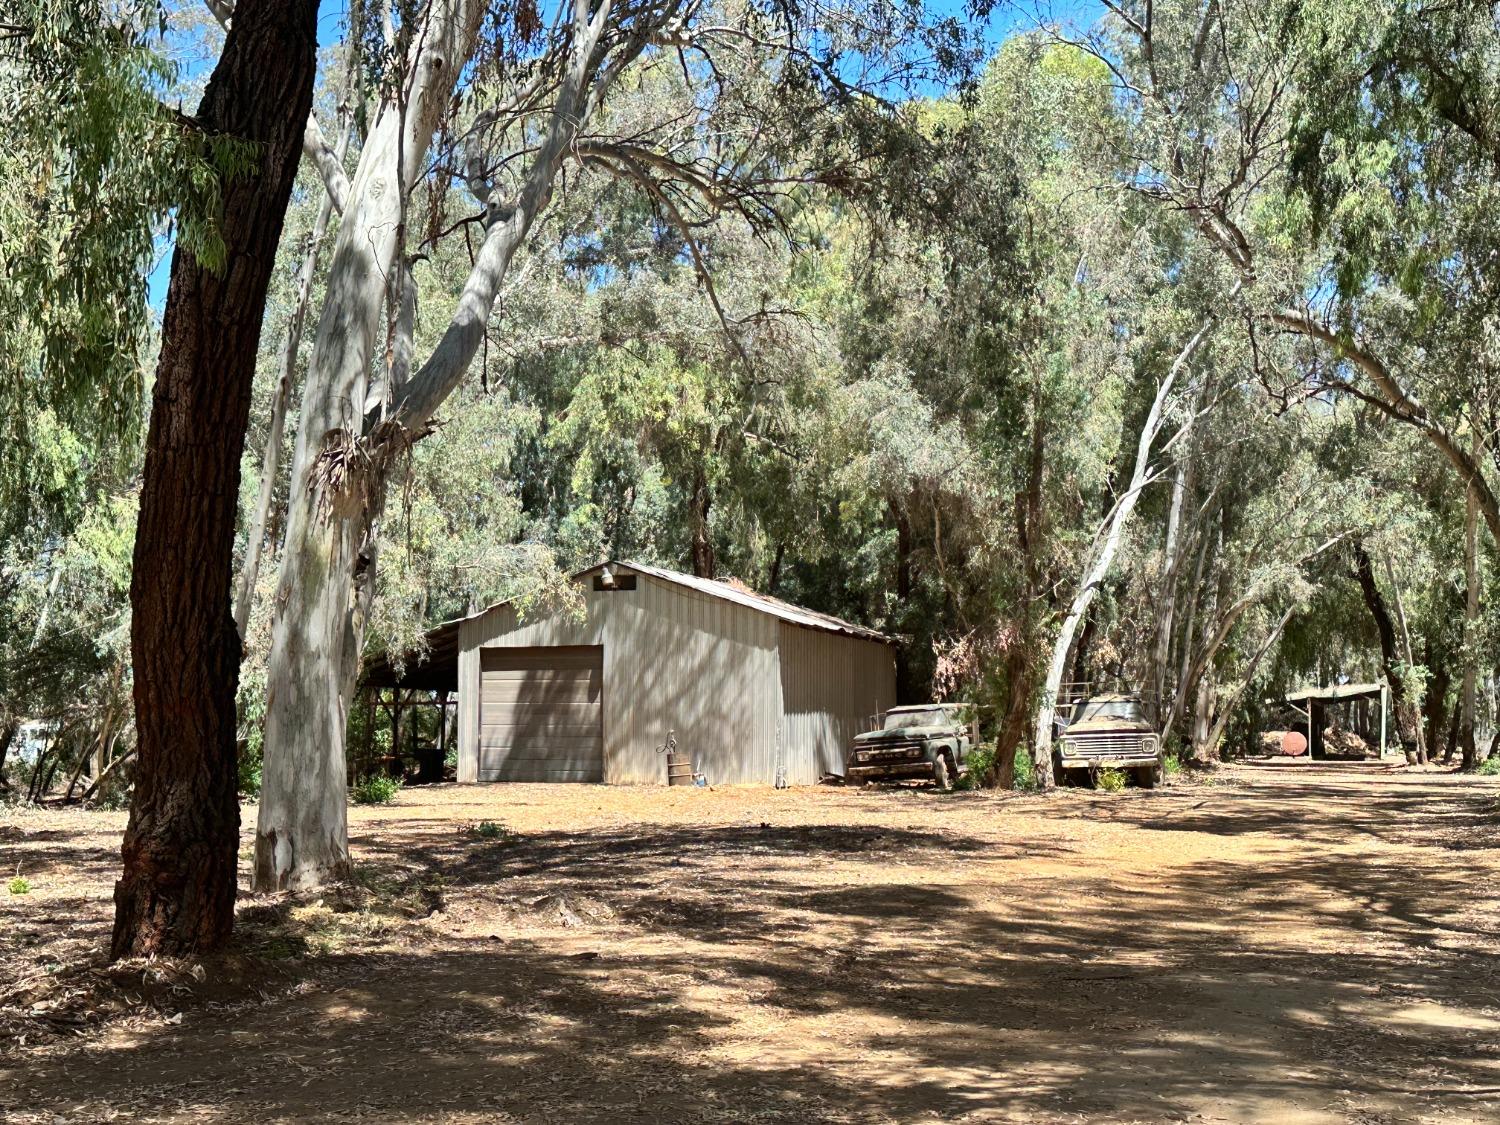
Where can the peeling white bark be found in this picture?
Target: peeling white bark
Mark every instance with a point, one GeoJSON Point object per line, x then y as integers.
{"type": "Point", "coordinates": [301, 834]}
{"type": "Point", "coordinates": [1104, 555]}
{"type": "Point", "coordinates": [328, 566]}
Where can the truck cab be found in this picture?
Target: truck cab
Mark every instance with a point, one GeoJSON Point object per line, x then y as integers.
{"type": "Point", "coordinates": [929, 741]}
{"type": "Point", "coordinates": [1110, 731]}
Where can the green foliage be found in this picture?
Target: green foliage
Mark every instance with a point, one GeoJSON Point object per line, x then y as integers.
{"type": "Point", "coordinates": [1490, 767]}
{"type": "Point", "coordinates": [376, 790]}
{"type": "Point", "coordinates": [490, 830]}
{"type": "Point", "coordinates": [94, 162]}
{"type": "Point", "coordinates": [1026, 780]}
{"type": "Point", "coordinates": [979, 763]}
{"type": "Point", "coordinates": [113, 797]}
{"type": "Point", "coordinates": [19, 886]}
{"type": "Point", "coordinates": [1171, 765]}
{"type": "Point", "coordinates": [249, 775]}
{"type": "Point", "coordinates": [1110, 780]}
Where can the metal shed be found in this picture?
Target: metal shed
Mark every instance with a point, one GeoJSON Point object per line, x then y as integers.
{"type": "Point", "coordinates": [756, 689]}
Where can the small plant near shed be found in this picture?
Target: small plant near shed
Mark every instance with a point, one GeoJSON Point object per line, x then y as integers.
{"type": "Point", "coordinates": [377, 790]}
{"type": "Point", "coordinates": [20, 886]}
{"type": "Point", "coordinates": [1111, 780]}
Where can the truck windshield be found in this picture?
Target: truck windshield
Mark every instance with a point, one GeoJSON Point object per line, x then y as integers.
{"type": "Point", "coordinates": [928, 717]}
{"type": "Point", "coordinates": [1108, 709]}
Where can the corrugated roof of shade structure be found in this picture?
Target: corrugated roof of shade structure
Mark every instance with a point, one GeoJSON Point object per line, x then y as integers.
{"type": "Point", "coordinates": [1336, 693]}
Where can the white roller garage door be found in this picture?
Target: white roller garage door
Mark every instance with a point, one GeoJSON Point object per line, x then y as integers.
{"type": "Point", "coordinates": [541, 713]}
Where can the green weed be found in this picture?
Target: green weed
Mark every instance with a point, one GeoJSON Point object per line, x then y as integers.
{"type": "Point", "coordinates": [489, 830]}
{"type": "Point", "coordinates": [378, 790]}
{"type": "Point", "coordinates": [20, 886]}
{"type": "Point", "coordinates": [1490, 767]}
{"type": "Point", "coordinates": [1111, 780]}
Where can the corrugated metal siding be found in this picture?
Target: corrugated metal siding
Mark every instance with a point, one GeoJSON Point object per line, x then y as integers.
{"type": "Point", "coordinates": [833, 686]}
{"type": "Point", "coordinates": [673, 659]}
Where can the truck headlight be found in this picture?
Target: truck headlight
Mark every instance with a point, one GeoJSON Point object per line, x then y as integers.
{"type": "Point", "coordinates": [914, 753]}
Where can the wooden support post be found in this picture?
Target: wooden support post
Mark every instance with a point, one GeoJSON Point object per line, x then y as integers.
{"type": "Point", "coordinates": [1385, 692]}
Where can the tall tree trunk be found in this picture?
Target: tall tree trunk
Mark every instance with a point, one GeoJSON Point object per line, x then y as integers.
{"type": "Point", "coordinates": [1408, 725]}
{"type": "Point", "coordinates": [176, 895]}
{"type": "Point", "coordinates": [1435, 705]}
{"type": "Point", "coordinates": [703, 543]}
{"type": "Point", "coordinates": [1020, 676]}
{"type": "Point", "coordinates": [1104, 557]}
{"type": "Point", "coordinates": [7, 738]}
{"type": "Point", "coordinates": [328, 566]}
{"type": "Point", "coordinates": [1467, 692]}
{"type": "Point", "coordinates": [1166, 600]}
{"type": "Point", "coordinates": [244, 599]}
{"type": "Point", "coordinates": [1188, 639]}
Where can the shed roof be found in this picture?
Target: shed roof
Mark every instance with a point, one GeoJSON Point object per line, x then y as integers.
{"type": "Point", "coordinates": [740, 594]}
{"type": "Point", "coordinates": [1336, 693]}
{"type": "Point", "coordinates": [437, 669]}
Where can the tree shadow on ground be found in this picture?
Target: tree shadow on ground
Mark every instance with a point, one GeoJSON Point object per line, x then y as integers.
{"type": "Point", "coordinates": [861, 973]}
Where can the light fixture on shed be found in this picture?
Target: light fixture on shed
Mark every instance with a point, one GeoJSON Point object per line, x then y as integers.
{"type": "Point", "coordinates": [607, 579]}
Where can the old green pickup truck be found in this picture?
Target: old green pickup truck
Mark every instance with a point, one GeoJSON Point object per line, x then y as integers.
{"type": "Point", "coordinates": [930, 741]}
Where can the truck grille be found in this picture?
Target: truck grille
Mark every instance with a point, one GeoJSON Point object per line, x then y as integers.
{"type": "Point", "coordinates": [1106, 742]}
{"type": "Point", "coordinates": [889, 752]}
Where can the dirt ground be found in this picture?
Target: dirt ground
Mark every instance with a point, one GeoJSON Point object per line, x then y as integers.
{"type": "Point", "coordinates": [1280, 943]}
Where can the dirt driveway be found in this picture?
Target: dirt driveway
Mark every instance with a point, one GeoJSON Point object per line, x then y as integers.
{"type": "Point", "coordinates": [1284, 944]}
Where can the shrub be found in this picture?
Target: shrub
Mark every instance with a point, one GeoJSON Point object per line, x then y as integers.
{"type": "Point", "coordinates": [978, 764]}
{"type": "Point", "coordinates": [1111, 780]}
{"type": "Point", "coordinates": [1490, 767]}
{"type": "Point", "coordinates": [489, 830]}
{"type": "Point", "coordinates": [377, 790]}
{"type": "Point", "coordinates": [113, 798]}
{"type": "Point", "coordinates": [249, 775]}
{"type": "Point", "coordinates": [1172, 765]}
{"type": "Point", "coordinates": [20, 886]}
{"type": "Point", "coordinates": [1026, 780]}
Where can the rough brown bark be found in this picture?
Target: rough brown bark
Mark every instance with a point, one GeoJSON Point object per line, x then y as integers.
{"type": "Point", "coordinates": [703, 544]}
{"type": "Point", "coordinates": [1435, 705]}
{"type": "Point", "coordinates": [1407, 721]}
{"type": "Point", "coordinates": [7, 737]}
{"type": "Point", "coordinates": [1020, 669]}
{"type": "Point", "coordinates": [176, 895]}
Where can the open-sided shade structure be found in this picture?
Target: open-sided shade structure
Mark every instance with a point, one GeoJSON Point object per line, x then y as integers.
{"type": "Point", "coordinates": [1315, 701]}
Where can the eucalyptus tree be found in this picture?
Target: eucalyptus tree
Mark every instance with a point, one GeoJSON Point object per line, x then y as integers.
{"type": "Point", "coordinates": [497, 113]}
{"type": "Point", "coordinates": [1316, 147]}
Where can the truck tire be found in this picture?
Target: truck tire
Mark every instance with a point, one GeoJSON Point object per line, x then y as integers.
{"type": "Point", "coordinates": [1148, 777]}
{"type": "Point", "coordinates": [942, 773]}
{"type": "Point", "coordinates": [854, 782]}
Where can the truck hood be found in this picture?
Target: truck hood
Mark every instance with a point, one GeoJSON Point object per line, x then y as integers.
{"type": "Point", "coordinates": [901, 734]}
{"type": "Point", "coordinates": [1108, 726]}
